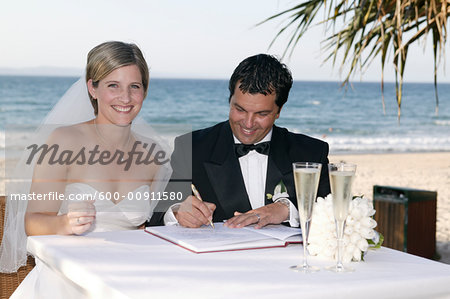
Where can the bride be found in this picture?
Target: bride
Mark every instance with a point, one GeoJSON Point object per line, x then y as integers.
{"type": "Point", "coordinates": [97, 171]}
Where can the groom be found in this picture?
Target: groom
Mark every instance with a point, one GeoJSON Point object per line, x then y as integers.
{"type": "Point", "coordinates": [236, 163]}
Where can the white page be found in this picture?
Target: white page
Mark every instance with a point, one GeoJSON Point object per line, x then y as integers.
{"type": "Point", "coordinates": [278, 231]}
{"type": "Point", "coordinates": [207, 238]}
{"type": "Point", "coordinates": [205, 234]}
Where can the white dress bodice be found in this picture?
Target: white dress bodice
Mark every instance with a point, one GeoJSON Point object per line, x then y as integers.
{"type": "Point", "coordinates": [126, 214]}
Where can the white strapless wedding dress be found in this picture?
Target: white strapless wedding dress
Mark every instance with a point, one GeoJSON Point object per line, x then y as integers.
{"type": "Point", "coordinates": [43, 282]}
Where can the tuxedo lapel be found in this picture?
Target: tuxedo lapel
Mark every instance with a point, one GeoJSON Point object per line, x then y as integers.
{"type": "Point", "coordinates": [224, 173]}
{"type": "Point", "coordinates": [279, 166]}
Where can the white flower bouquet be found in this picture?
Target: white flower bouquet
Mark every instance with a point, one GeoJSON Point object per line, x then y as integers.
{"type": "Point", "coordinates": [359, 233]}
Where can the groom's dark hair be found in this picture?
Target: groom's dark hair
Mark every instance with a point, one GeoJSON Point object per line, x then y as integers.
{"type": "Point", "coordinates": [262, 74]}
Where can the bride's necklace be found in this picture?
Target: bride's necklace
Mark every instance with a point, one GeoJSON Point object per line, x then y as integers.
{"type": "Point", "coordinates": [106, 143]}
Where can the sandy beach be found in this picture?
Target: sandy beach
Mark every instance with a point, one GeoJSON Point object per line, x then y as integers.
{"type": "Point", "coordinates": [428, 171]}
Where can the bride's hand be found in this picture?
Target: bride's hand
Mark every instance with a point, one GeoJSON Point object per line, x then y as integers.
{"type": "Point", "coordinates": [80, 217]}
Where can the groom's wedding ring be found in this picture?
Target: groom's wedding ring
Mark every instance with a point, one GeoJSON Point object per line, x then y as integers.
{"type": "Point", "coordinates": [78, 220]}
{"type": "Point", "coordinates": [257, 216]}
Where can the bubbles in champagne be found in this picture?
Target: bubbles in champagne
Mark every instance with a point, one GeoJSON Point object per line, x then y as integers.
{"type": "Point", "coordinates": [306, 183]}
{"type": "Point", "coordinates": [341, 188]}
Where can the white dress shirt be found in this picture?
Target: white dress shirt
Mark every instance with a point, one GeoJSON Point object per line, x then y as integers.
{"type": "Point", "coordinates": [254, 171]}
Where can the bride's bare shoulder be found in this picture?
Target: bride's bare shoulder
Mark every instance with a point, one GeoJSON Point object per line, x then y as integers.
{"type": "Point", "coordinates": [71, 135]}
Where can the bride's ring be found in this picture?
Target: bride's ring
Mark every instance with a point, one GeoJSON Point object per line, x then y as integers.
{"type": "Point", "coordinates": [257, 215]}
{"type": "Point", "coordinates": [78, 220]}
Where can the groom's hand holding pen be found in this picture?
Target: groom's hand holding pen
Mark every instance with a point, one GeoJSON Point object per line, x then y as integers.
{"type": "Point", "coordinates": [194, 190]}
{"type": "Point", "coordinates": [194, 212]}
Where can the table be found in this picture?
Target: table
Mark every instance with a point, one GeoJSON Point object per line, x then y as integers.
{"type": "Point", "coordinates": [135, 264]}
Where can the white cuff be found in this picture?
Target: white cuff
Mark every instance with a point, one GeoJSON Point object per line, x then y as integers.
{"type": "Point", "coordinates": [293, 212]}
{"type": "Point", "coordinates": [169, 217]}
{"type": "Point", "coordinates": [294, 220]}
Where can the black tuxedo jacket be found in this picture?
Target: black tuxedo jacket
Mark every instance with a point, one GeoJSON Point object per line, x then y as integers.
{"type": "Point", "coordinates": [208, 160]}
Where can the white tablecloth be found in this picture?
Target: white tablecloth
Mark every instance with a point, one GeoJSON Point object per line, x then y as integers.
{"type": "Point", "coordinates": [134, 264]}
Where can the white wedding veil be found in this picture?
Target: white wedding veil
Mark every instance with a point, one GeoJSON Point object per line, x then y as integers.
{"type": "Point", "coordinates": [74, 107]}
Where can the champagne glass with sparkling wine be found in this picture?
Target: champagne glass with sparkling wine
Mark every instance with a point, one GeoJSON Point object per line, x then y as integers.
{"type": "Point", "coordinates": [306, 178]}
{"type": "Point", "coordinates": [341, 179]}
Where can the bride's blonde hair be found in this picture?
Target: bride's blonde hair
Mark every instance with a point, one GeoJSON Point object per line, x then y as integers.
{"type": "Point", "coordinates": [108, 56]}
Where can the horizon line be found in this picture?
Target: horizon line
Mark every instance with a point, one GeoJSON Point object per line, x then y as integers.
{"type": "Point", "coordinates": [70, 73]}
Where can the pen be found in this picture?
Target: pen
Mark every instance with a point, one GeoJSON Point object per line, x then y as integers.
{"type": "Point", "coordinates": [200, 198]}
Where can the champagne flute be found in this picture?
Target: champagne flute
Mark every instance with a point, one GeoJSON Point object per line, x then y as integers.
{"type": "Point", "coordinates": [341, 179]}
{"type": "Point", "coordinates": [306, 178]}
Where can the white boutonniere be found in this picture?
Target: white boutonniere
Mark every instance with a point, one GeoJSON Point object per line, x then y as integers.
{"type": "Point", "coordinates": [280, 191]}
{"type": "Point", "coordinates": [359, 233]}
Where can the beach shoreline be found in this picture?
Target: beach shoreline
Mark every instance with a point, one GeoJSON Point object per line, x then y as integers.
{"type": "Point", "coordinates": [418, 170]}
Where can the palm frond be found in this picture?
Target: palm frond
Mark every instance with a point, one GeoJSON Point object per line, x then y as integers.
{"type": "Point", "coordinates": [367, 29]}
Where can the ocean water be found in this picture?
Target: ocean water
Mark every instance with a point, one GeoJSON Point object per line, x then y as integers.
{"type": "Point", "coordinates": [351, 121]}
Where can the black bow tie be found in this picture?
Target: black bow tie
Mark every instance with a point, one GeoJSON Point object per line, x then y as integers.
{"type": "Point", "coordinates": [243, 149]}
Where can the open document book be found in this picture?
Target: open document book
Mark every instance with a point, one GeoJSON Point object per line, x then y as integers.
{"type": "Point", "coordinates": [222, 238]}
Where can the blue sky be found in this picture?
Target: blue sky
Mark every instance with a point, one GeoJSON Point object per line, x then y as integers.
{"type": "Point", "coordinates": [180, 38]}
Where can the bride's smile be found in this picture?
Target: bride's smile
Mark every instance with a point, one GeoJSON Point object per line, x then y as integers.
{"type": "Point", "coordinates": [122, 109]}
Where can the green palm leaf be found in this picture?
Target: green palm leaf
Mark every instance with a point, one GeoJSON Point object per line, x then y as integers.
{"type": "Point", "coordinates": [367, 29]}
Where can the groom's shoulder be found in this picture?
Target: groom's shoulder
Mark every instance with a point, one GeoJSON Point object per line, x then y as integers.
{"type": "Point", "coordinates": [298, 139]}
{"type": "Point", "coordinates": [209, 134]}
